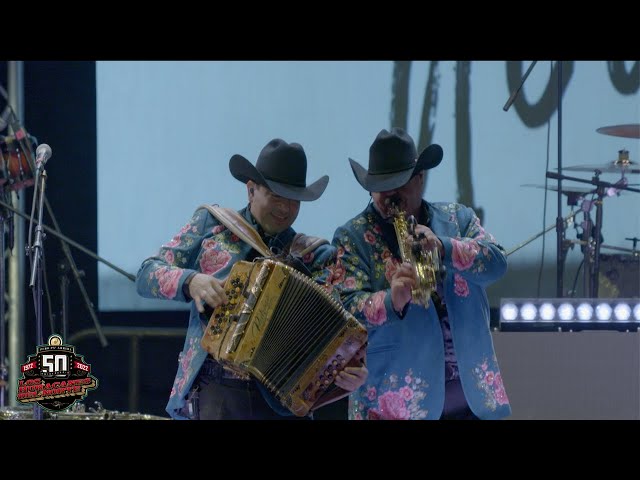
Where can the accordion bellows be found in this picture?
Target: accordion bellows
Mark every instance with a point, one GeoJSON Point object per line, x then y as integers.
{"type": "Point", "coordinates": [286, 331]}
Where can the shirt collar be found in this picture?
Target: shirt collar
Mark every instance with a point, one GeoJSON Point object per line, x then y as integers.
{"type": "Point", "coordinates": [278, 241]}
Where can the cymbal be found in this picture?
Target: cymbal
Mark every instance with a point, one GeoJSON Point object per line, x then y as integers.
{"type": "Point", "coordinates": [610, 167]}
{"type": "Point", "coordinates": [621, 165]}
{"type": "Point", "coordinates": [630, 130]}
{"type": "Point", "coordinates": [565, 190]}
{"type": "Point", "coordinates": [576, 191]}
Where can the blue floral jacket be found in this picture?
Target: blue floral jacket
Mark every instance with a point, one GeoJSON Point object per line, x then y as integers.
{"type": "Point", "coordinates": [405, 356]}
{"type": "Point", "coordinates": [204, 245]}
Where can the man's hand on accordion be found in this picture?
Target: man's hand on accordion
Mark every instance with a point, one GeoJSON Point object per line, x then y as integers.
{"type": "Point", "coordinates": [205, 289]}
{"type": "Point", "coordinates": [352, 378]}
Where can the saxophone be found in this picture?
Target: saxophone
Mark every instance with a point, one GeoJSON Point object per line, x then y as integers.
{"type": "Point", "coordinates": [426, 262]}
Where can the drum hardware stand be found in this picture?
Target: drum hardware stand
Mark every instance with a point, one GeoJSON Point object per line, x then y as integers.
{"type": "Point", "coordinates": [63, 268]}
{"type": "Point", "coordinates": [566, 244]}
{"type": "Point", "coordinates": [589, 246]}
{"type": "Point", "coordinates": [635, 241]}
{"type": "Point", "coordinates": [6, 217]}
{"type": "Point", "coordinates": [591, 274]}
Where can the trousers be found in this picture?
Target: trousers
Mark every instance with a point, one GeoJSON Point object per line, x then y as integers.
{"type": "Point", "coordinates": [216, 397]}
{"type": "Point", "coordinates": [455, 403]}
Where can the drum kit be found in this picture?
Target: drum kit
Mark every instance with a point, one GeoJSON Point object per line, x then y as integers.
{"type": "Point", "coordinates": [15, 171]}
{"type": "Point", "coordinates": [609, 272]}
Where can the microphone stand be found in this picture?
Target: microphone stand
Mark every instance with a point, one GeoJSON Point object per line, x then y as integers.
{"type": "Point", "coordinates": [559, 219]}
{"type": "Point", "coordinates": [36, 253]}
{"type": "Point", "coordinates": [73, 243]}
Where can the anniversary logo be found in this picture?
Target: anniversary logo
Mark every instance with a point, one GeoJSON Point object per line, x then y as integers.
{"type": "Point", "coordinates": [55, 377]}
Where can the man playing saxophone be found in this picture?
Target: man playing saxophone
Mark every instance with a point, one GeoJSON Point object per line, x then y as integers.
{"type": "Point", "coordinates": [414, 273]}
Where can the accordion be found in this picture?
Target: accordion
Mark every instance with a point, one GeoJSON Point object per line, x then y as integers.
{"type": "Point", "coordinates": [283, 329]}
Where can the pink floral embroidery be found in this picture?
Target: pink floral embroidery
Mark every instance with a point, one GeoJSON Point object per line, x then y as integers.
{"type": "Point", "coordinates": [217, 229]}
{"type": "Point", "coordinates": [168, 256]}
{"type": "Point", "coordinates": [406, 393]}
{"type": "Point", "coordinates": [168, 281]}
{"type": "Point", "coordinates": [371, 393]}
{"type": "Point", "coordinates": [350, 283]}
{"type": "Point", "coordinates": [369, 237]}
{"type": "Point", "coordinates": [209, 244]}
{"type": "Point", "coordinates": [336, 273]}
{"type": "Point", "coordinates": [461, 288]}
{"type": "Point", "coordinates": [186, 360]}
{"type": "Point", "coordinates": [174, 242]}
{"type": "Point", "coordinates": [214, 260]}
{"type": "Point", "coordinates": [491, 383]}
{"type": "Point", "coordinates": [374, 309]}
{"type": "Point", "coordinates": [373, 414]}
{"type": "Point", "coordinates": [481, 233]}
{"type": "Point", "coordinates": [185, 369]}
{"type": "Point", "coordinates": [390, 267]}
{"type": "Point", "coordinates": [398, 401]}
{"type": "Point", "coordinates": [392, 406]}
{"type": "Point", "coordinates": [501, 397]}
{"type": "Point", "coordinates": [181, 384]}
{"type": "Point", "coordinates": [463, 253]}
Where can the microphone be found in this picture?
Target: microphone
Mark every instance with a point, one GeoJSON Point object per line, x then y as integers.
{"type": "Point", "coordinates": [43, 153]}
{"type": "Point", "coordinates": [513, 96]}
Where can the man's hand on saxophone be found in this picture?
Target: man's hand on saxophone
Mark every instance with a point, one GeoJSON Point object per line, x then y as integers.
{"type": "Point", "coordinates": [428, 239]}
{"type": "Point", "coordinates": [402, 282]}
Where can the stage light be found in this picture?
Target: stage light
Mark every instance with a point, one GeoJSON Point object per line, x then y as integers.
{"type": "Point", "coordinates": [553, 314]}
{"type": "Point", "coordinates": [509, 311]}
{"type": "Point", "coordinates": [547, 311]}
{"type": "Point", "coordinates": [603, 312]}
{"type": "Point", "coordinates": [566, 312]}
{"type": "Point", "coordinates": [585, 312]}
{"type": "Point", "coordinates": [528, 312]}
{"type": "Point", "coordinates": [622, 311]}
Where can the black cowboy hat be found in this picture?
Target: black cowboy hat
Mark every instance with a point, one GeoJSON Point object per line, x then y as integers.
{"type": "Point", "coordinates": [393, 160]}
{"type": "Point", "coordinates": [282, 167]}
